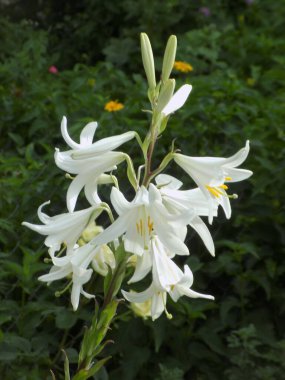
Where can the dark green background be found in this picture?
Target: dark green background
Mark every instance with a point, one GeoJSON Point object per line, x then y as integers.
{"type": "Point", "coordinates": [238, 93]}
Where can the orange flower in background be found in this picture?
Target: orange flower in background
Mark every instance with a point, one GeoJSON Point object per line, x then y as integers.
{"type": "Point", "coordinates": [184, 67]}
{"type": "Point", "coordinates": [113, 106]}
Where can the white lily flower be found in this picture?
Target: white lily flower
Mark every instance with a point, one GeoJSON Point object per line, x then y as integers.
{"type": "Point", "coordinates": [183, 288]}
{"type": "Point", "coordinates": [194, 201]}
{"type": "Point", "coordinates": [158, 296]}
{"type": "Point", "coordinates": [88, 160]}
{"type": "Point", "coordinates": [165, 272]}
{"type": "Point", "coordinates": [140, 219]}
{"type": "Point", "coordinates": [75, 265]}
{"type": "Point", "coordinates": [211, 174]}
{"type": "Point", "coordinates": [63, 229]}
{"type": "Point", "coordinates": [177, 100]}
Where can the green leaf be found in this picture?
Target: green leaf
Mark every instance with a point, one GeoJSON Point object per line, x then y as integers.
{"type": "Point", "coordinates": [66, 366]}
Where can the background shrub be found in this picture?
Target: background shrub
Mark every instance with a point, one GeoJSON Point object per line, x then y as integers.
{"type": "Point", "coordinates": [237, 52]}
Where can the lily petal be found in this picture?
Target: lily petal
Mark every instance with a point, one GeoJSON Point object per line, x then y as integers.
{"type": "Point", "coordinates": [177, 100]}
{"type": "Point", "coordinates": [87, 134]}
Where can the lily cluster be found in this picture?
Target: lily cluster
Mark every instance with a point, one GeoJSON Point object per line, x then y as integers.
{"type": "Point", "coordinates": [152, 227]}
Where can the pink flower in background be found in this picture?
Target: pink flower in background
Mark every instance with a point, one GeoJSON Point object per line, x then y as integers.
{"type": "Point", "coordinates": [205, 11]}
{"type": "Point", "coordinates": [53, 69]}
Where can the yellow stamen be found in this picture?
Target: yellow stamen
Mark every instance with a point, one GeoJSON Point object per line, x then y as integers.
{"type": "Point", "coordinates": [141, 227]}
{"type": "Point", "coordinates": [225, 187]}
{"type": "Point", "coordinates": [214, 191]}
{"type": "Point", "coordinates": [150, 225]}
{"type": "Point", "coordinates": [228, 178]}
{"type": "Point", "coordinates": [138, 228]}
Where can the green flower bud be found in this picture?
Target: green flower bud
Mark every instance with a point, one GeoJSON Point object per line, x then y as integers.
{"type": "Point", "coordinates": [165, 94]}
{"type": "Point", "coordinates": [169, 58]}
{"type": "Point", "coordinates": [148, 62]}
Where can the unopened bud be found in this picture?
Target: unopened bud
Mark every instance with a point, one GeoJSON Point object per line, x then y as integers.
{"type": "Point", "coordinates": [148, 62]}
{"type": "Point", "coordinates": [165, 94]}
{"type": "Point", "coordinates": [169, 58]}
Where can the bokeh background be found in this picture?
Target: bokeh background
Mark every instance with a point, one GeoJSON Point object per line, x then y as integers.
{"type": "Point", "coordinates": [71, 58]}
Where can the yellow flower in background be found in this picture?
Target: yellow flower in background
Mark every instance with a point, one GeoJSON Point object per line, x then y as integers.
{"type": "Point", "coordinates": [113, 106]}
{"type": "Point", "coordinates": [184, 67]}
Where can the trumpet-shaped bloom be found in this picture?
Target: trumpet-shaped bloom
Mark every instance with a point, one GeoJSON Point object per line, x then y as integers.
{"type": "Point", "coordinates": [88, 160]}
{"type": "Point", "coordinates": [63, 229]}
{"type": "Point", "coordinates": [212, 173]}
{"type": "Point", "coordinates": [194, 201]}
{"type": "Point", "coordinates": [140, 219]}
{"type": "Point", "coordinates": [75, 265]}
{"type": "Point", "coordinates": [165, 272]}
{"type": "Point", "coordinates": [158, 295]}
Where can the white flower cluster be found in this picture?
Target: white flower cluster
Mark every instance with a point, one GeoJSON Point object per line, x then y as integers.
{"type": "Point", "coordinates": [152, 227]}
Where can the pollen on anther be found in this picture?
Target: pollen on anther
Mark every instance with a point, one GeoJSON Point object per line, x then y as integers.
{"type": "Point", "coordinates": [215, 192]}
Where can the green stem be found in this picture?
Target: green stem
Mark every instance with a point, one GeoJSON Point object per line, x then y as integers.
{"type": "Point", "coordinates": [93, 341]}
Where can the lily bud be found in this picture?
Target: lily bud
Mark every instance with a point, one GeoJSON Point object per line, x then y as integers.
{"type": "Point", "coordinates": [148, 62]}
{"type": "Point", "coordinates": [142, 309]}
{"type": "Point", "coordinates": [165, 94]}
{"type": "Point", "coordinates": [169, 58]}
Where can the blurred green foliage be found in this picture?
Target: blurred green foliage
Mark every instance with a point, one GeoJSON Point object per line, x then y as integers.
{"type": "Point", "coordinates": [237, 52]}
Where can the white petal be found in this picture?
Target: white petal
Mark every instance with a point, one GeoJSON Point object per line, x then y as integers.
{"type": "Point", "coordinates": [143, 266]}
{"type": "Point", "coordinates": [75, 295]}
{"type": "Point", "coordinates": [119, 202]}
{"type": "Point", "coordinates": [200, 227]}
{"type": "Point", "coordinates": [177, 100]}
{"type": "Point", "coordinates": [44, 218]}
{"type": "Point", "coordinates": [83, 256]}
{"type": "Point", "coordinates": [237, 174]}
{"type": "Point", "coordinates": [116, 229]}
{"type": "Point", "coordinates": [91, 191]}
{"type": "Point", "coordinates": [225, 203]}
{"type": "Point", "coordinates": [139, 297]}
{"type": "Point", "coordinates": [192, 294]}
{"type": "Point", "coordinates": [66, 136]}
{"type": "Point", "coordinates": [87, 134]}
{"type": "Point", "coordinates": [239, 157]}
{"type": "Point", "coordinates": [154, 194]}
{"type": "Point", "coordinates": [74, 189]}
{"type": "Point", "coordinates": [166, 232]}
{"type": "Point", "coordinates": [104, 145]}
{"type": "Point", "coordinates": [165, 272]}
{"type": "Point", "coordinates": [168, 182]}
{"type": "Point", "coordinates": [158, 304]}
{"type": "Point", "coordinates": [188, 278]}
{"type": "Point", "coordinates": [56, 273]}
